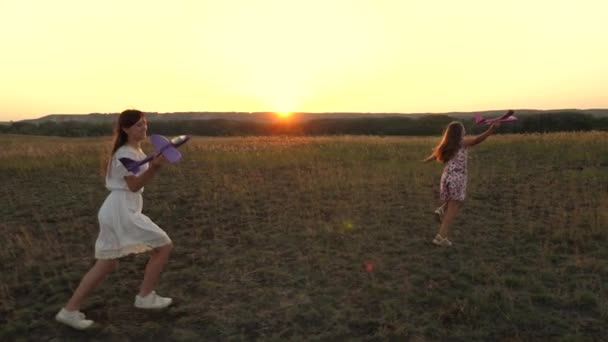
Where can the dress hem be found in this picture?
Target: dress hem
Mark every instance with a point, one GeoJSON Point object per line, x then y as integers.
{"type": "Point", "coordinates": [132, 249]}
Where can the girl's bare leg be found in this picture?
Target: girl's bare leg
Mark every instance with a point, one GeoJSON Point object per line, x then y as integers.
{"type": "Point", "coordinates": [453, 208]}
{"type": "Point", "coordinates": [89, 282]}
{"type": "Point", "coordinates": [156, 264]}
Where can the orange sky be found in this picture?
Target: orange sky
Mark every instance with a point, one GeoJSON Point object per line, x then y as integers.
{"type": "Point", "coordinates": [69, 56]}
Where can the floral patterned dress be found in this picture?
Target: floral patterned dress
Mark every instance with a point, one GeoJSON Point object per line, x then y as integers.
{"type": "Point", "coordinates": [453, 184]}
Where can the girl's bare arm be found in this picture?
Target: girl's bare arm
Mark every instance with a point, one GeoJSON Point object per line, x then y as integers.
{"type": "Point", "coordinates": [429, 158]}
{"type": "Point", "coordinates": [137, 182]}
{"type": "Point", "coordinates": [472, 141]}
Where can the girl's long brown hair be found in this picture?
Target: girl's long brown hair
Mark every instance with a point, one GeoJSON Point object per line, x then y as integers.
{"type": "Point", "coordinates": [450, 142]}
{"type": "Point", "coordinates": [126, 119]}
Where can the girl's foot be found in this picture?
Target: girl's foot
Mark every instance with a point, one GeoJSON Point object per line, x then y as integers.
{"type": "Point", "coordinates": [441, 241]}
{"type": "Point", "coordinates": [74, 319]}
{"type": "Point", "coordinates": [152, 301]}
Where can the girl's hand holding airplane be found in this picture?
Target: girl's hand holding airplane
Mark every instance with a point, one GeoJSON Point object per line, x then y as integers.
{"type": "Point", "coordinates": [158, 161]}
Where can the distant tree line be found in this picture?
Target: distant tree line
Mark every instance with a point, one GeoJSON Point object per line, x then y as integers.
{"type": "Point", "coordinates": [397, 125]}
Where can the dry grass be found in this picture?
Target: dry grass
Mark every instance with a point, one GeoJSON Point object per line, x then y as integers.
{"type": "Point", "coordinates": [272, 235]}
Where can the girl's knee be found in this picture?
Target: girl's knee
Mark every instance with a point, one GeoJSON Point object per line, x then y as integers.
{"type": "Point", "coordinates": [163, 250]}
{"type": "Point", "coordinates": [108, 266]}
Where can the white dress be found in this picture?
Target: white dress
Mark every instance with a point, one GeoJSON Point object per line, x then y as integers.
{"type": "Point", "coordinates": [123, 229]}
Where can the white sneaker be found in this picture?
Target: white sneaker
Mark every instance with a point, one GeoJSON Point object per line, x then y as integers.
{"type": "Point", "coordinates": [75, 319]}
{"type": "Point", "coordinates": [152, 301]}
{"type": "Point", "coordinates": [441, 241]}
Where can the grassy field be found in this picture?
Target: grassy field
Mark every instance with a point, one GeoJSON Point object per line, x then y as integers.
{"type": "Point", "coordinates": [272, 235]}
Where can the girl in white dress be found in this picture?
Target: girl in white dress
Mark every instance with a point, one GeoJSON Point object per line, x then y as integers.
{"type": "Point", "coordinates": [123, 229]}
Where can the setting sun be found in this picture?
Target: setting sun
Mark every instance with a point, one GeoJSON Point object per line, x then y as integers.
{"type": "Point", "coordinates": [283, 115]}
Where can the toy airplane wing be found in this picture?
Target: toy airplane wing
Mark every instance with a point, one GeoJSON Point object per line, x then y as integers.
{"type": "Point", "coordinates": [172, 154]}
{"type": "Point", "coordinates": [159, 142]}
{"type": "Point", "coordinates": [168, 148]}
{"type": "Point", "coordinates": [508, 117]}
{"type": "Point", "coordinates": [170, 151]}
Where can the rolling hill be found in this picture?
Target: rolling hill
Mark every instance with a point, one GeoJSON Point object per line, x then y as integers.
{"type": "Point", "coordinates": [297, 117]}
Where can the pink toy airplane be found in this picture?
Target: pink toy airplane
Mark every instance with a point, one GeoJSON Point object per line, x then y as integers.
{"type": "Point", "coordinates": [162, 145]}
{"type": "Point", "coordinates": [505, 118]}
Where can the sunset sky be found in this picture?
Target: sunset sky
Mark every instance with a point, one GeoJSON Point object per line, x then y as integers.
{"type": "Point", "coordinates": [78, 57]}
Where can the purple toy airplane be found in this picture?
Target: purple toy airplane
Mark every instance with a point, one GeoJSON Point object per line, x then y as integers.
{"type": "Point", "coordinates": [162, 145]}
{"type": "Point", "coordinates": [505, 118]}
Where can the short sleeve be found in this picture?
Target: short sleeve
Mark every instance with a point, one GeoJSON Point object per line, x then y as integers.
{"type": "Point", "coordinates": [118, 169]}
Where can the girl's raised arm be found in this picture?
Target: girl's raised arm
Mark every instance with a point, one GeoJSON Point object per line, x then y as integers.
{"type": "Point", "coordinates": [472, 141]}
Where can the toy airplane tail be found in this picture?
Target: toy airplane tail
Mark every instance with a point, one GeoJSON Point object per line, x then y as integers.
{"type": "Point", "coordinates": [479, 119]}
{"type": "Point", "coordinates": [131, 165]}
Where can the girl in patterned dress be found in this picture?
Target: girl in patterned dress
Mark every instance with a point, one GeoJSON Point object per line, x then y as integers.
{"type": "Point", "coordinates": [123, 229]}
{"type": "Point", "coordinates": [453, 152]}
